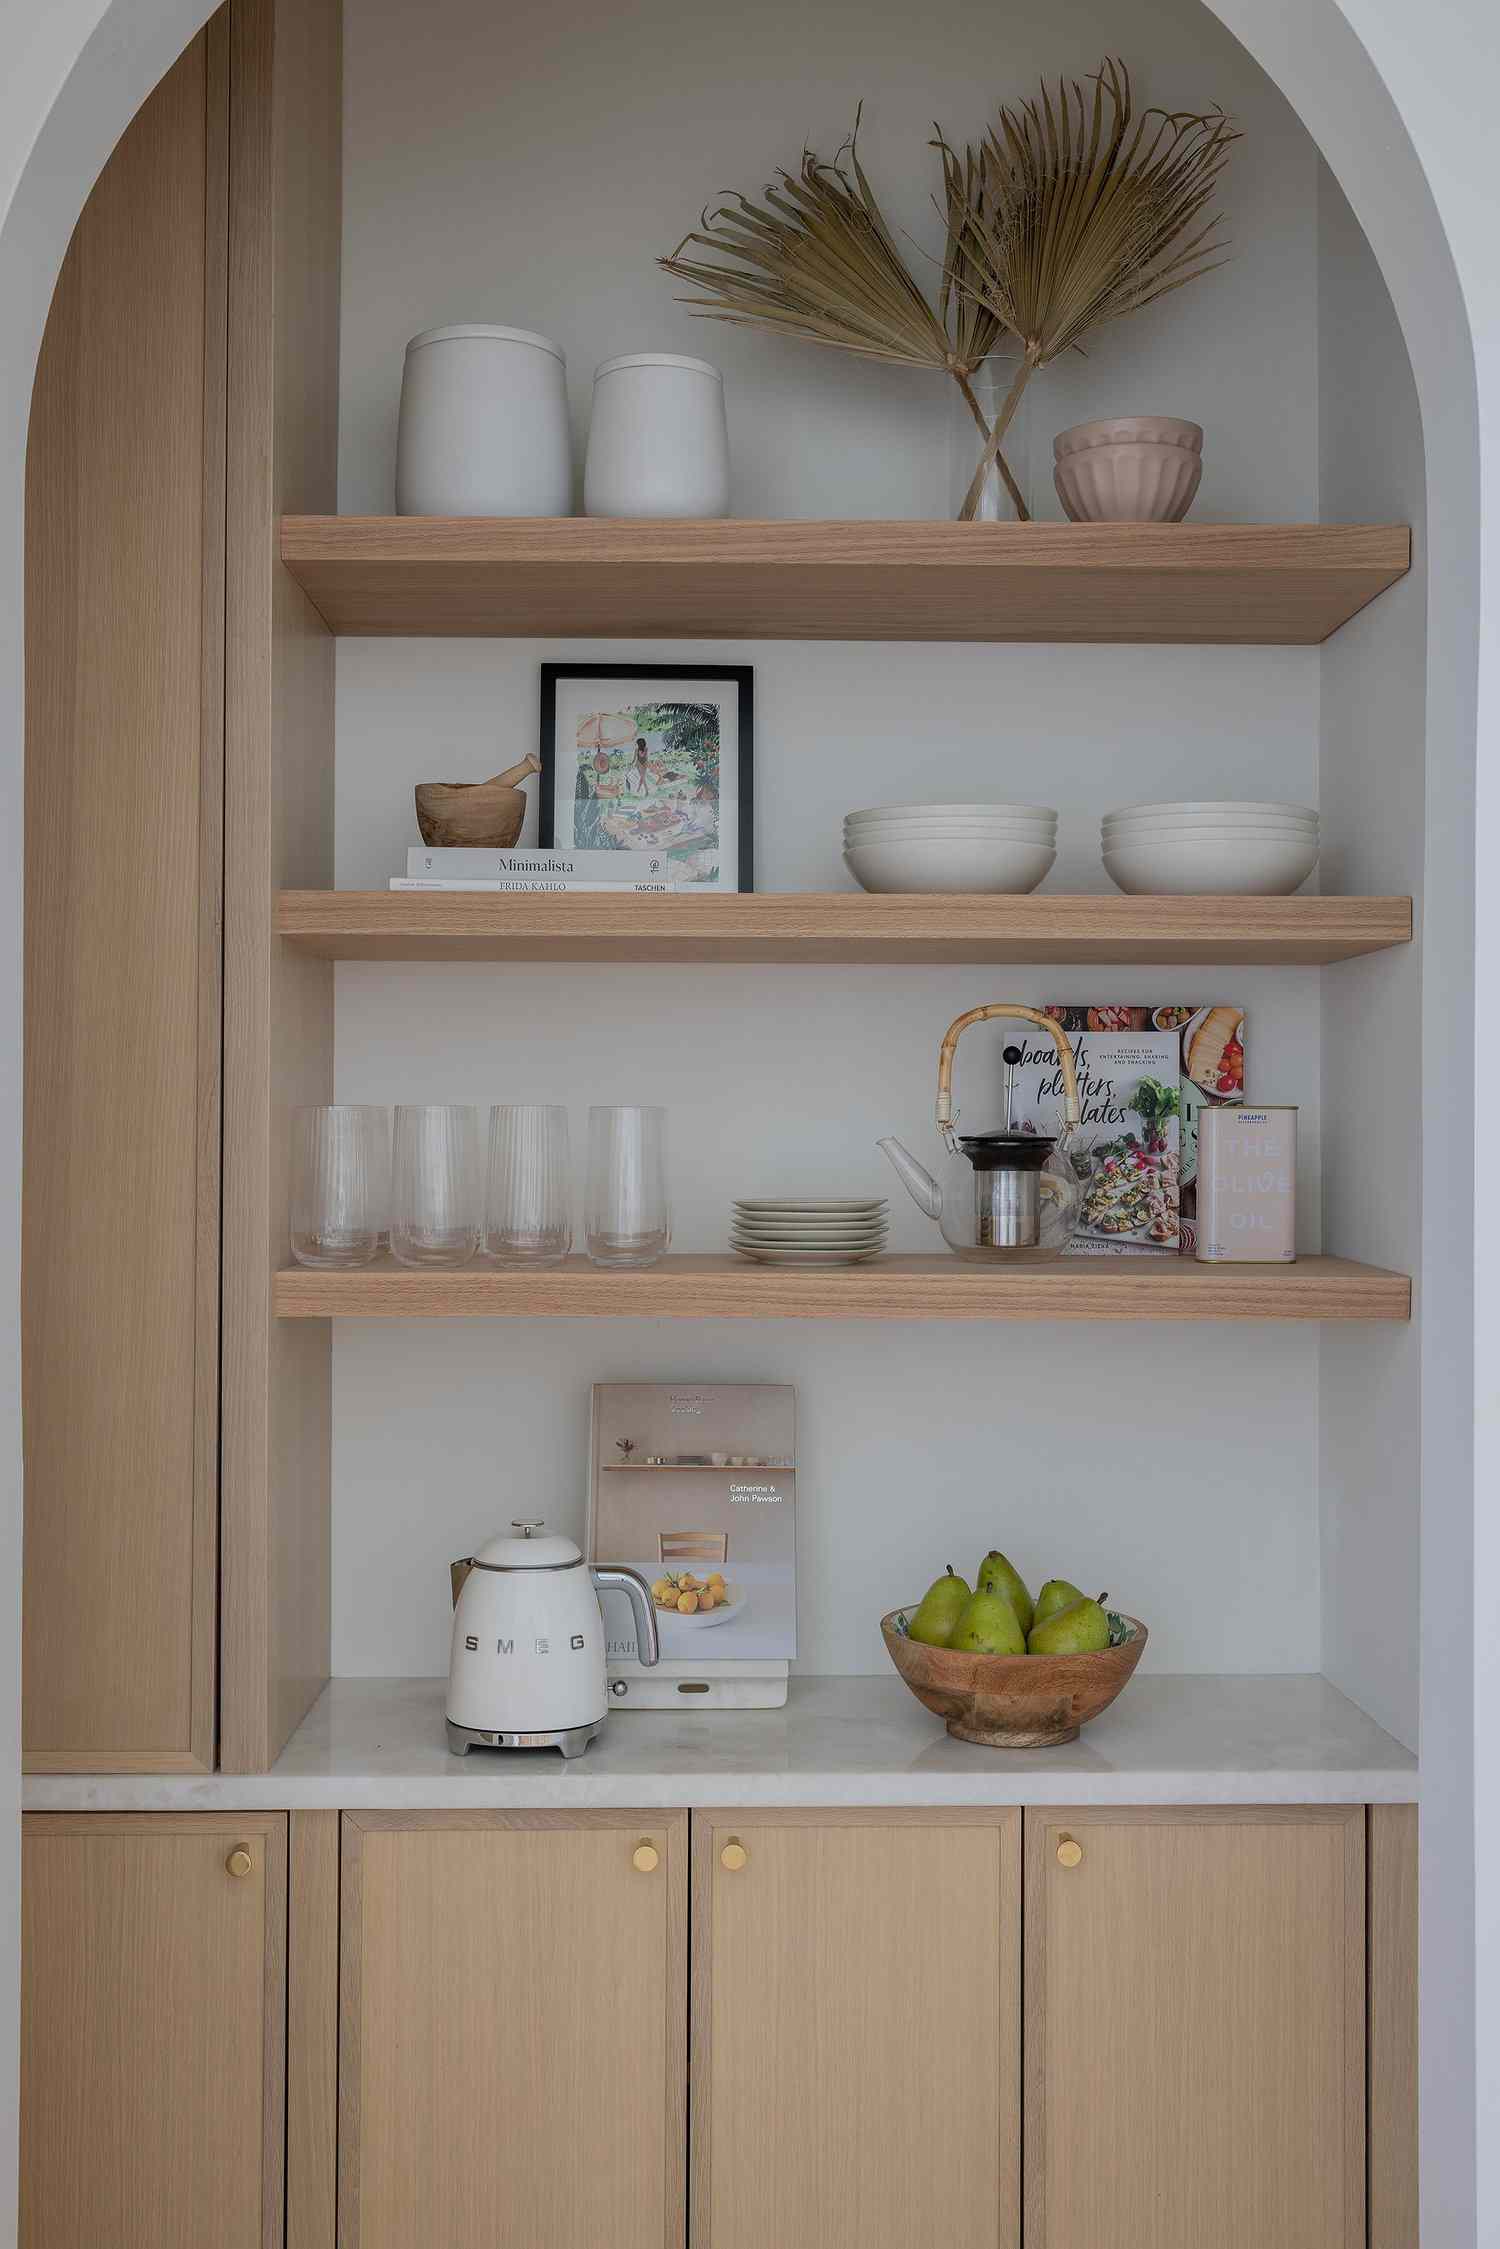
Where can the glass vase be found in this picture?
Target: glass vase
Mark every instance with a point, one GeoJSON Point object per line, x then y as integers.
{"type": "Point", "coordinates": [990, 385]}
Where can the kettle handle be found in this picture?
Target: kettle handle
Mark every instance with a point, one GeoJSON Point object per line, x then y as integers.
{"type": "Point", "coordinates": [457, 1572]}
{"type": "Point", "coordinates": [949, 1049]}
{"type": "Point", "coordinates": [631, 1582]}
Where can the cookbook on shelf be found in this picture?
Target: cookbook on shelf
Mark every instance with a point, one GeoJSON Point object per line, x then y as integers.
{"type": "Point", "coordinates": [1147, 1197]}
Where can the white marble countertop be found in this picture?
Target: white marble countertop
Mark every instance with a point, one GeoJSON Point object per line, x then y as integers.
{"type": "Point", "coordinates": [380, 1744]}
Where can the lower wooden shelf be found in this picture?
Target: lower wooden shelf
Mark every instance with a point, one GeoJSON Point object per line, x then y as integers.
{"type": "Point", "coordinates": [890, 1288]}
{"type": "Point", "coordinates": [819, 929]}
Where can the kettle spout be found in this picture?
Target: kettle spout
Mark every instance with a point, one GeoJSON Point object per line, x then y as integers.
{"type": "Point", "coordinates": [915, 1178]}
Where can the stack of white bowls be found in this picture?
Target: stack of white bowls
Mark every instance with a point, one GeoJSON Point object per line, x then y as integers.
{"type": "Point", "coordinates": [950, 847]}
{"type": "Point", "coordinates": [1202, 848]}
{"type": "Point", "coordinates": [816, 1230]}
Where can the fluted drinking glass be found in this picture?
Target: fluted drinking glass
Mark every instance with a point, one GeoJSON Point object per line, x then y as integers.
{"type": "Point", "coordinates": [341, 1184]}
{"type": "Point", "coordinates": [528, 1217]}
{"type": "Point", "coordinates": [628, 1215]}
{"type": "Point", "coordinates": [437, 1197]}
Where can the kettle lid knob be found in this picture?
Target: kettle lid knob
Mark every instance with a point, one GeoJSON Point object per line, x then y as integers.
{"type": "Point", "coordinates": [527, 1524]}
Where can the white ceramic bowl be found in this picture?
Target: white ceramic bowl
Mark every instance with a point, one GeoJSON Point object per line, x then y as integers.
{"type": "Point", "coordinates": [1128, 429]}
{"type": "Point", "coordinates": [1136, 822]}
{"type": "Point", "coordinates": [1217, 807]}
{"type": "Point", "coordinates": [1199, 824]}
{"type": "Point", "coordinates": [1136, 839]}
{"type": "Point", "coordinates": [892, 811]}
{"type": "Point", "coordinates": [911, 822]}
{"type": "Point", "coordinates": [950, 865]}
{"type": "Point", "coordinates": [953, 831]}
{"type": "Point", "coordinates": [1222, 866]}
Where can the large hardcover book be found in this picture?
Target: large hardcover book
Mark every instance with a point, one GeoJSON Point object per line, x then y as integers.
{"type": "Point", "coordinates": [695, 1486]}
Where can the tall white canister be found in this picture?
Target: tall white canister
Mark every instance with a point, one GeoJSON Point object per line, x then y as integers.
{"type": "Point", "coordinates": [658, 441]}
{"type": "Point", "coordinates": [484, 425]}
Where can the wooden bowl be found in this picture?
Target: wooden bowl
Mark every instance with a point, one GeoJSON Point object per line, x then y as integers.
{"type": "Point", "coordinates": [1011, 1702]}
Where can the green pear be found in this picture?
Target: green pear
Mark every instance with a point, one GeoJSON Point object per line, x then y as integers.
{"type": "Point", "coordinates": [997, 1576]}
{"type": "Point", "coordinates": [938, 1610]}
{"type": "Point", "coordinates": [989, 1627]}
{"type": "Point", "coordinates": [1080, 1629]}
{"type": "Point", "coordinates": [1056, 1594]}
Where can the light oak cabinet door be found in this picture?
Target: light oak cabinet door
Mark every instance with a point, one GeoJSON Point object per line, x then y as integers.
{"type": "Point", "coordinates": [512, 2050]}
{"type": "Point", "coordinates": [153, 2031]}
{"type": "Point", "coordinates": [856, 2029]}
{"type": "Point", "coordinates": [1195, 2028]}
{"type": "Point", "coordinates": [123, 845]}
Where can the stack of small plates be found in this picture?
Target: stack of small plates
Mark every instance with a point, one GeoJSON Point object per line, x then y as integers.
{"type": "Point", "coordinates": [804, 1230]}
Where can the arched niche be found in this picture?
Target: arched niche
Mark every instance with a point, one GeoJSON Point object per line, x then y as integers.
{"type": "Point", "coordinates": [73, 84]}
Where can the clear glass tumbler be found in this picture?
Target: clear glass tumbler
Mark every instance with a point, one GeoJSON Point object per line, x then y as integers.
{"type": "Point", "coordinates": [341, 1184]}
{"type": "Point", "coordinates": [437, 1198]}
{"type": "Point", "coordinates": [528, 1214]}
{"type": "Point", "coordinates": [627, 1216]}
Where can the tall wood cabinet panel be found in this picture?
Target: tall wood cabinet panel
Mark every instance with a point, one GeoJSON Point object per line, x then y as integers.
{"type": "Point", "coordinates": [312, 2030]}
{"type": "Point", "coordinates": [152, 2030]}
{"type": "Point", "coordinates": [1394, 2199]}
{"type": "Point", "coordinates": [1195, 2027]}
{"type": "Point", "coordinates": [278, 1045]}
{"type": "Point", "coordinates": [124, 772]}
{"type": "Point", "coordinates": [513, 2011]}
{"type": "Point", "coordinates": [856, 2029]}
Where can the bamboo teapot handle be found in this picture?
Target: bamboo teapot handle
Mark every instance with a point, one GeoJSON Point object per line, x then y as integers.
{"type": "Point", "coordinates": [949, 1049]}
{"type": "Point", "coordinates": [516, 774]}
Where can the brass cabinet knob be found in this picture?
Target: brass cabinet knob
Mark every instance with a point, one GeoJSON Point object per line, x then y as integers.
{"type": "Point", "coordinates": [645, 1858]}
{"type": "Point", "coordinates": [1069, 1853]}
{"type": "Point", "coordinates": [239, 1862]}
{"type": "Point", "coordinates": [734, 1856]}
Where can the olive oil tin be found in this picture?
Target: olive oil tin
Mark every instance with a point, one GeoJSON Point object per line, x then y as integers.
{"type": "Point", "coordinates": [1247, 1186]}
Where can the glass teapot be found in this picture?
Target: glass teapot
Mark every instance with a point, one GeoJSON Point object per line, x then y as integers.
{"type": "Point", "coordinates": [1002, 1195]}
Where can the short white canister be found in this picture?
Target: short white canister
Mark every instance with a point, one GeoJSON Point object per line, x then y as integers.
{"type": "Point", "coordinates": [484, 425]}
{"type": "Point", "coordinates": [658, 442]}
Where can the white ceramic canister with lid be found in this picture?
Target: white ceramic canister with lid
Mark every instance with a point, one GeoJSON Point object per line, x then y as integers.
{"type": "Point", "coordinates": [658, 441]}
{"type": "Point", "coordinates": [484, 425]}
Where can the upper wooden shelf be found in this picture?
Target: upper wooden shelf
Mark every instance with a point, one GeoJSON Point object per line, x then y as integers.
{"type": "Point", "coordinates": [838, 927]}
{"type": "Point", "coordinates": [583, 577]}
{"type": "Point", "coordinates": [888, 1288]}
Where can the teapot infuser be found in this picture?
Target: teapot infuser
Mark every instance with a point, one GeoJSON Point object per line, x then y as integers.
{"type": "Point", "coordinates": [1005, 1194]}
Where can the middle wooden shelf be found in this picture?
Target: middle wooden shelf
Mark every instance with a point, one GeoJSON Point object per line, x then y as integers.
{"type": "Point", "coordinates": [823, 928]}
{"type": "Point", "coordinates": [726, 1287]}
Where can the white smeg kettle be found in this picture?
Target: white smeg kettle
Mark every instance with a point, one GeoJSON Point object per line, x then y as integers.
{"type": "Point", "coordinates": [526, 1667]}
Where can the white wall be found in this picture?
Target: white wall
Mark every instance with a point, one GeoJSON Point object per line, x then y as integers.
{"type": "Point", "coordinates": [1374, 683]}
{"type": "Point", "coordinates": [528, 165]}
{"type": "Point", "coordinates": [785, 1079]}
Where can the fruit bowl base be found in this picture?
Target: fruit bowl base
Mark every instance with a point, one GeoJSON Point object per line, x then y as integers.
{"type": "Point", "coordinates": [1014, 1737]}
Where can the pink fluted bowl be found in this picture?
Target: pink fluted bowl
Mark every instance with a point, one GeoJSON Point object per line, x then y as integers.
{"type": "Point", "coordinates": [1136, 469]}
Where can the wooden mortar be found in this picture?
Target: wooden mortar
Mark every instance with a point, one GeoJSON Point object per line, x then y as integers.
{"type": "Point", "coordinates": [474, 815]}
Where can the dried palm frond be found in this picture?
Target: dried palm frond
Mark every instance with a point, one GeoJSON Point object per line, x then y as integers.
{"type": "Point", "coordinates": [1079, 212]}
{"type": "Point", "coordinates": [815, 259]}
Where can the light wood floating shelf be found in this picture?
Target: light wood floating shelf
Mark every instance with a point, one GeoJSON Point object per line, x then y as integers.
{"type": "Point", "coordinates": [1272, 584]}
{"type": "Point", "coordinates": [813, 928]}
{"type": "Point", "coordinates": [890, 1288]}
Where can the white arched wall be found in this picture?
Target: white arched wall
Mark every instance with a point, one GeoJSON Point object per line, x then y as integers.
{"type": "Point", "coordinates": [1394, 97]}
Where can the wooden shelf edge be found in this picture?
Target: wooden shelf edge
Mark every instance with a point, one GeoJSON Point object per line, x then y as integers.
{"type": "Point", "coordinates": [838, 928]}
{"type": "Point", "coordinates": [890, 1288]}
{"type": "Point", "coordinates": [1157, 583]}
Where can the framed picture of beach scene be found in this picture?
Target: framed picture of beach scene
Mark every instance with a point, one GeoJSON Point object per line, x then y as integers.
{"type": "Point", "coordinates": [639, 758]}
